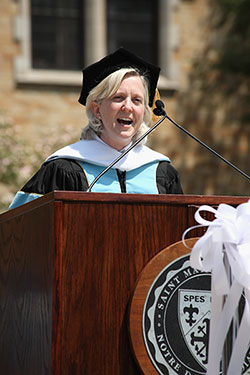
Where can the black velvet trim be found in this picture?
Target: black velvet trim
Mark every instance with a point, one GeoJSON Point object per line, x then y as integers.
{"type": "Point", "coordinates": [58, 174]}
{"type": "Point", "coordinates": [167, 179]}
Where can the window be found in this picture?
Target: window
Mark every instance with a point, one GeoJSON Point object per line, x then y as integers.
{"type": "Point", "coordinates": [57, 34]}
{"type": "Point", "coordinates": [59, 37]}
{"type": "Point", "coordinates": [133, 25]}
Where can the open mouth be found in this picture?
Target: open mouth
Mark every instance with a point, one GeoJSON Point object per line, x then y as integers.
{"type": "Point", "coordinates": [125, 121]}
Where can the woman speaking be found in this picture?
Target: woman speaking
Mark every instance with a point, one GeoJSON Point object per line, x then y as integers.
{"type": "Point", "coordinates": [118, 92]}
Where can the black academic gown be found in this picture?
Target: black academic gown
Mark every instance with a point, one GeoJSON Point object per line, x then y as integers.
{"type": "Point", "coordinates": [67, 174]}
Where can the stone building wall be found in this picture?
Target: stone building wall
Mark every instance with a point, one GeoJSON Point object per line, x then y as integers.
{"type": "Point", "coordinates": [44, 106]}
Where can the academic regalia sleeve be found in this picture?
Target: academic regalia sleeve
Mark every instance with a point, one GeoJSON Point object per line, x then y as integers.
{"type": "Point", "coordinates": [58, 174]}
{"type": "Point", "coordinates": [167, 179]}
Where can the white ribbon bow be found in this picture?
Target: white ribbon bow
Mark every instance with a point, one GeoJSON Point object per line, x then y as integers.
{"type": "Point", "coordinates": [225, 251]}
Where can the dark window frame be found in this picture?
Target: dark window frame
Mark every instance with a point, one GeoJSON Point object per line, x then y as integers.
{"type": "Point", "coordinates": [57, 34]}
{"type": "Point", "coordinates": [140, 34]}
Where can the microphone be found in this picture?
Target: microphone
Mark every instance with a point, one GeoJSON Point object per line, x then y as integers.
{"type": "Point", "coordinates": [159, 110]}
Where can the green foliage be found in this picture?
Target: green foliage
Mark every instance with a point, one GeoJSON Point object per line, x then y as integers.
{"type": "Point", "coordinates": [9, 160]}
{"type": "Point", "coordinates": [215, 106]}
{"type": "Point", "coordinates": [235, 51]}
{"type": "Point", "coordinates": [21, 157]}
{"type": "Point", "coordinates": [233, 5]}
{"type": "Point", "coordinates": [11, 154]}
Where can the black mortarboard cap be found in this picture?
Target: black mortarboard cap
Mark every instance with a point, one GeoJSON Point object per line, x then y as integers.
{"type": "Point", "coordinates": [121, 58]}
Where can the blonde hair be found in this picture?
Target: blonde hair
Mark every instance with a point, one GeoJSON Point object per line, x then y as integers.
{"type": "Point", "coordinates": [105, 89]}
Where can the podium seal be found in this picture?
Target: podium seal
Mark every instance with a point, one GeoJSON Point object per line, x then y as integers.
{"type": "Point", "coordinates": [176, 319]}
{"type": "Point", "coordinates": [170, 315]}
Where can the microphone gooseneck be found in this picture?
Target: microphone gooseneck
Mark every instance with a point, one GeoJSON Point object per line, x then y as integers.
{"type": "Point", "coordinates": [160, 109]}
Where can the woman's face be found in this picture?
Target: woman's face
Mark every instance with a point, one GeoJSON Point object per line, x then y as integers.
{"type": "Point", "coordinates": [122, 113]}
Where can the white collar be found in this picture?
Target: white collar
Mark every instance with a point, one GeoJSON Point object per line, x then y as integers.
{"type": "Point", "coordinates": [97, 152]}
{"type": "Point", "coordinates": [98, 139]}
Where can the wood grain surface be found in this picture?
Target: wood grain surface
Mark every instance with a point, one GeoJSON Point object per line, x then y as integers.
{"type": "Point", "coordinates": [26, 269]}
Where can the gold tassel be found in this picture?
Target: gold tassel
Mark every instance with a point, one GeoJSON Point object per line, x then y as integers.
{"type": "Point", "coordinates": [156, 97]}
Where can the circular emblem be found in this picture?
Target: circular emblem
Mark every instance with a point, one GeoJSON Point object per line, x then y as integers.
{"type": "Point", "coordinates": [176, 319]}
{"type": "Point", "coordinates": [170, 316]}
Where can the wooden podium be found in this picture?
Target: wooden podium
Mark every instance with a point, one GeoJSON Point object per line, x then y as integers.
{"type": "Point", "coordinates": [69, 264]}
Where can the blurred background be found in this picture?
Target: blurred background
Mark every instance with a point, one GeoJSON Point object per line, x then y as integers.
{"type": "Point", "coordinates": [202, 47]}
